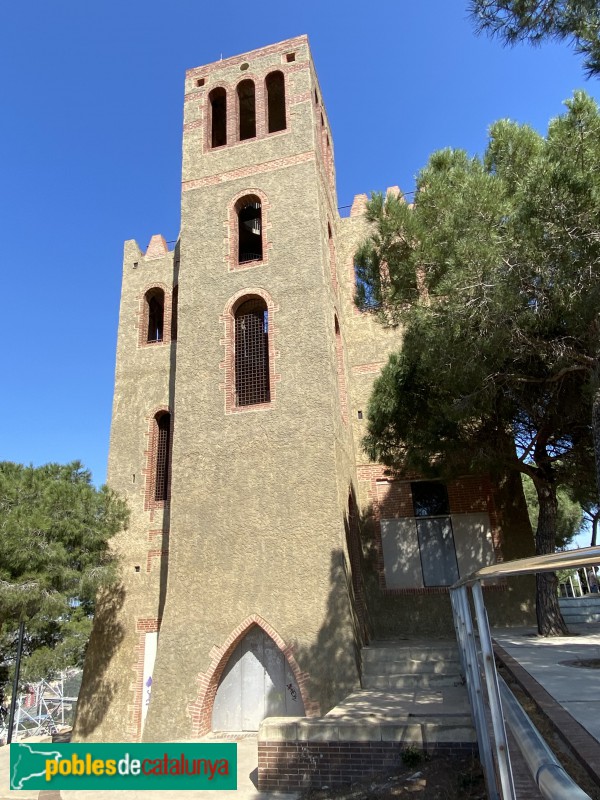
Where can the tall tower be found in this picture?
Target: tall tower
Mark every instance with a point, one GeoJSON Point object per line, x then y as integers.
{"type": "Point", "coordinates": [243, 370]}
{"type": "Point", "coordinates": [230, 433]}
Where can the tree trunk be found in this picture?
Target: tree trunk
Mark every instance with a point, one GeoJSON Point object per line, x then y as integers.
{"type": "Point", "coordinates": [596, 435]}
{"type": "Point", "coordinates": [549, 619]}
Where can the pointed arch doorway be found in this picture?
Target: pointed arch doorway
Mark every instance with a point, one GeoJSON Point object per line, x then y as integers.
{"type": "Point", "coordinates": [257, 682]}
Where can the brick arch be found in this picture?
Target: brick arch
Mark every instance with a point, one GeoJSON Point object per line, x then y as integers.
{"type": "Point", "coordinates": [228, 363]}
{"type": "Point", "coordinates": [150, 503]}
{"type": "Point", "coordinates": [208, 682]}
{"type": "Point", "coordinates": [142, 317]}
{"type": "Point", "coordinates": [231, 229]}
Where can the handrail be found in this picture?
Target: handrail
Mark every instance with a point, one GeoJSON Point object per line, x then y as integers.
{"type": "Point", "coordinates": [582, 557]}
{"type": "Point", "coordinates": [480, 673]}
{"type": "Point", "coordinates": [549, 775]}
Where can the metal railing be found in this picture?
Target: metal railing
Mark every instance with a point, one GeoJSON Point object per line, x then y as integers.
{"type": "Point", "coordinates": [487, 691]}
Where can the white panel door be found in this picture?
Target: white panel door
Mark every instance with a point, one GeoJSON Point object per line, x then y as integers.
{"type": "Point", "coordinates": [256, 683]}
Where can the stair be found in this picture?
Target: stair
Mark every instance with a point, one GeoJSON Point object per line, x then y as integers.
{"type": "Point", "coordinates": [579, 610]}
{"type": "Point", "coordinates": [412, 692]}
{"type": "Point", "coordinates": [391, 666]}
{"type": "Point", "coordinates": [412, 696]}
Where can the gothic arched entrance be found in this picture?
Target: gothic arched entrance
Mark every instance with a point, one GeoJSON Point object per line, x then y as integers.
{"type": "Point", "coordinates": [257, 682]}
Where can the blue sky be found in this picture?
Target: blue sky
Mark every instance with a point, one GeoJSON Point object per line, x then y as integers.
{"type": "Point", "coordinates": [90, 148]}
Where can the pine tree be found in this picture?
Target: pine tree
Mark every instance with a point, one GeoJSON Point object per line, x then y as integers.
{"type": "Point", "coordinates": [494, 275]}
{"type": "Point", "coordinates": [513, 21]}
{"type": "Point", "coordinates": [55, 528]}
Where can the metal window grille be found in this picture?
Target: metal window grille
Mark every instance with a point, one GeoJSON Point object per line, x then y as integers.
{"type": "Point", "coordinates": [163, 452]}
{"type": "Point", "coordinates": [252, 354]}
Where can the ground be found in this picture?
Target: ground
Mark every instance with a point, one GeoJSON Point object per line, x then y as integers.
{"type": "Point", "coordinates": [436, 778]}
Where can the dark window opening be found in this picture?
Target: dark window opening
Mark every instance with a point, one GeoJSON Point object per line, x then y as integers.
{"type": "Point", "coordinates": [290, 57]}
{"type": "Point", "coordinates": [247, 109]}
{"type": "Point", "coordinates": [252, 353]}
{"type": "Point", "coordinates": [218, 110]}
{"type": "Point", "coordinates": [163, 456]}
{"type": "Point", "coordinates": [430, 499]}
{"type": "Point", "coordinates": [250, 242]}
{"type": "Point", "coordinates": [174, 304]}
{"type": "Point", "coordinates": [200, 82]}
{"type": "Point", "coordinates": [276, 102]}
{"type": "Point", "coordinates": [316, 97]}
{"type": "Point", "coordinates": [155, 301]}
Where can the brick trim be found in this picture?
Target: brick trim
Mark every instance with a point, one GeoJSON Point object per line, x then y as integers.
{"type": "Point", "coordinates": [133, 728]}
{"type": "Point", "coordinates": [501, 586]}
{"type": "Point", "coordinates": [465, 494]}
{"type": "Point", "coordinates": [340, 369]}
{"type": "Point", "coordinates": [208, 682]}
{"type": "Point", "coordinates": [143, 311]}
{"type": "Point", "coordinates": [149, 471]}
{"type": "Point", "coordinates": [368, 369]}
{"type": "Point", "coordinates": [332, 258]}
{"type": "Point", "coordinates": [228, 342]}
{"type": "Point", "coordinates": [251, 170]}
{"type": "Point", "coordinates": [232, 231]}
{"type": "Point", "coordinates": [232, 113]}
{"type": "Point", "coordinates": [280, 47]}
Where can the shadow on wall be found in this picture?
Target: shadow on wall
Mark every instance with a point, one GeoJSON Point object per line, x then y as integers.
{"type": "Point", "coordinates": [107, 635]}
{"type": "Point", "coordinates": [417, 614]}
{"type": "Point", "coordinates": [332, 661]}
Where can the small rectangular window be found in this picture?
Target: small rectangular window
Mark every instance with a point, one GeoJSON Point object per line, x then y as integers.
{"type": "Point", "coordinates": [430, 499]}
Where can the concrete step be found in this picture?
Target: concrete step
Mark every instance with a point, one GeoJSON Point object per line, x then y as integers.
{"type": "Point", "coordinates": [578, 618]}
{"type": "Point", "coordinates": [421, 651]}
{"type": "Point", "coordinates": [405, 666]}
{"type": "Point", "coordinates": [420, 732]}
{"type": "Point", "coordinates": [580, 609]}
{"type": "Point", "coordinates": [410, 681]}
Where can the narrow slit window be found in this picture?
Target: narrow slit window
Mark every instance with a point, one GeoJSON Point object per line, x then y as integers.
{"type": "Point", "coordinates": [276, 101]}
{"type": "Point", "coordinates": [252, 353]}
{"type": "Point", "coordinates": [250, 237]}
{"type": "Point", "coordinates": [218, 111]}
{"type": "Point", "coordinates": [163, 456]}
{"type": "Point", "coordinates": [155, 308]}
{"type": "Point", "coordinates": [246, 109]}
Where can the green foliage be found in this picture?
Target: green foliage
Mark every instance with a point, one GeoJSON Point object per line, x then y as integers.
{"type": "Point", "coordinates": [577, 21]}
{"type": "Point", "coordinates": [55, 529]}
{"type": "Point", "coordinates": [494, 275]}
{"type": "Point", "coordinates": [569, 518]}
{"type": "Point", "coordinates": [411, 757]}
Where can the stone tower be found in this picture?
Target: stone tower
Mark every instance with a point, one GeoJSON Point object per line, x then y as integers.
{"type": "Point", "coordinates": [230, 433]}
{"type": "Point", "coordinates": [243, 369]}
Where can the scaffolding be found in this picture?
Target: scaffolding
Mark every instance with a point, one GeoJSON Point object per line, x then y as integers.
{"type": "Point", "coordinates": [45, 709]}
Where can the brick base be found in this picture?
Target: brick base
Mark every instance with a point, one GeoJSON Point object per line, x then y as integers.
{"type": "Point", "coordinates": [290, 766]}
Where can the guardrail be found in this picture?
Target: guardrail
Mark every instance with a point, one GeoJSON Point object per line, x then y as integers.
{"type": "Point", "coordinates": [475, 647]}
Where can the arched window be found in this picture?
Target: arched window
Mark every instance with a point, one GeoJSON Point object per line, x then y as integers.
{"type": "Point", "coordinates": [162, 455]}
{"type": "Point", "coordinates": [218, 115]}
{"type": "Point", "coordinates": [275, 84]}
{"type": "Point", "coordinates": [246, 109]}
{"type": "Point", "coordinates": [174, 304]}
{"type": "Point", "coordinates": [252, 353]}
{"type": "Point", "coordinates": [155, 311]}
{"type": "Point", "coordinates": [250, 240]}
